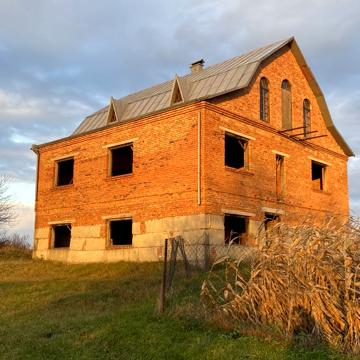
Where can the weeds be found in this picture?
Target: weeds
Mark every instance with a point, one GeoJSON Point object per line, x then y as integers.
{"type": "Point", "coordinates": [304, 280]}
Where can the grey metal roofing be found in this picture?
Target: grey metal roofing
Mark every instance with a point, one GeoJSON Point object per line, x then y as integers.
{"type": "Point", "coordinates": [215, 80]}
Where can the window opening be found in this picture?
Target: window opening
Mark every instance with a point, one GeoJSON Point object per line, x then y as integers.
{"type": "Point", "coordinates": [264, 100]}
{"type": "Point", "coordinates": [318, 175]}
{"type": "Point", "coordinates": [235, 151]}
{"type": "Point", "coordinates": [121, 160]}
{"type": "Point", "coordinates": [280, 177]}
{"type": "Point", "coordinates": [62, 235]}
{"type": "Point", "coordinates": [64, 172]}
{"type": "Point", "coordinates": [286, 105]}
{"type": "Point", "coordinates": [236, 229]}
{"type": "Point", "coordinates": [121, 232]}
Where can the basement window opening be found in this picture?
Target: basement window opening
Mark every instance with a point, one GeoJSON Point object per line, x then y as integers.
{"type": "Point", "coordinates": [62, 235]}
{"type": "Point", "coordinates": [65, 172]}
{"type": "Point", "coordinates": [121, 232]}
{"type": "Point", "coordinates": [121, 160]}
{"type": "Point", "coordinates": [236, 151]}
{"type": "Point", "coordinates": [271, 220]}
{"type": "Point", "coordinates": [318, 175]}
{"type": "Point", "coordinates": [236, 229]}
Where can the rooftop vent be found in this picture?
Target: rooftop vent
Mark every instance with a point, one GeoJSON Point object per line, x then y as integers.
{"type": "Point", "coordinates": [197, 66]}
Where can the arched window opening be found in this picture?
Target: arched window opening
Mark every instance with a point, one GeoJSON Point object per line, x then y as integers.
{"type": "Point", "coordinates": [286, 105]}
{"type": "Point", "coordinates": [307, 117]}
{"type": "Point", "coordinates": [264, 100]}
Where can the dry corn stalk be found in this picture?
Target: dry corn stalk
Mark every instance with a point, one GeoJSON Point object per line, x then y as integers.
{"type": "Point", "coordinates": [304, 278]}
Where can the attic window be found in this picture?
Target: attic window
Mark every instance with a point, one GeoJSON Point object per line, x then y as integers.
{"type": "Point", "coordinates": [307, 118]}
{"type": "Point", "coordinates": [112, 117]}
{"type": "Point", "coordinates": [176, 95]}
{"type": "Point", "coordinates": [286, 105]}
{"type": "Point", "coordinates": [61, 235]}
{"type": "Point", "coordinates": [236, 229]}
{"type": "Point", "coordinates": [318, 172]}
{"type": "Point", "coordinates": [264, 99]}
{"type": "Point", "coordinates": [121, 160]}
{"type": "Point", "coordinates": [120, 232]}
{"type": "Point", "coordinates": [236, 151]}
{"type": "Point", "coordinates": [64, 170]}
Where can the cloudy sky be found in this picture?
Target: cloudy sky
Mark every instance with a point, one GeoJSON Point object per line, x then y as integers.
{"type": "Point", "coordinates": [60, 60]}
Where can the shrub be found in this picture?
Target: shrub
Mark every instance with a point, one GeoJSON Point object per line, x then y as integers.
{"type": "Point", "coordinates": [14, 245]}
{"type": "Point", "coordinates": [304, 279]}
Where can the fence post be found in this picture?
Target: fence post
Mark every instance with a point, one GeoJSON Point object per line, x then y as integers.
{"type": "Point", "coordinates": [206, 251]}
{"type": "Point", "coordinates": [163, 283]}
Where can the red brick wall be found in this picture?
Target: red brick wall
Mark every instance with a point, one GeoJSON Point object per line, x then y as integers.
{"type": "Point", "coordinates": [237, 189]}
{"type": "Point", "coordinates": [249, 190]}
{"type": "Point", "coordinates": [163, 183]}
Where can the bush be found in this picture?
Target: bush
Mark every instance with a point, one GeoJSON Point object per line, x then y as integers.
{"type": "Point", "coordinates": [14, 246]}
{"type": "Point", "coordinates": [304, 279]}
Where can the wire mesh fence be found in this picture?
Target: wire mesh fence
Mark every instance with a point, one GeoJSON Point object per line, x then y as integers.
{"type": "Point", "coordinates": [186, 264]}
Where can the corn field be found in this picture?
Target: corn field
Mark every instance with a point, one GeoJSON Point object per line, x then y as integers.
{"type": "Point", "coordinates": [302, 279]}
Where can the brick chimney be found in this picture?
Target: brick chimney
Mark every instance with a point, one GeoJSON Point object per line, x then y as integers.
{"type": "Point", "coordinates": [197, 66]}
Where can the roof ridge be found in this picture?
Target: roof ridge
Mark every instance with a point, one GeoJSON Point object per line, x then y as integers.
{"type": "Point", "coordinates": [280, 42]}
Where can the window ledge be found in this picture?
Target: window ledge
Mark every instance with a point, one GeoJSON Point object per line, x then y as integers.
{"type": "Point", "coordinates": [117, 177]}
{"type": "Point", "coordinates": [239, 171]}
{"type": "Point", "coordinates": [321, 192]}
{"type": "Point", "coordinates": [119, 247]}
{"type": "Point", "coordinates": [62, 187]}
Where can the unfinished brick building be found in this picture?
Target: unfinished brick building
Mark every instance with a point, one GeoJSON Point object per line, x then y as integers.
{"type": "Point", "coordinates": [219, 151]}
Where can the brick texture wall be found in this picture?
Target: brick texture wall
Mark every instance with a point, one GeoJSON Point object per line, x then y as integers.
{"type": "Point", "coordinates": [163, 182]}
{"type": "Point", "coordinates": [255, 187]}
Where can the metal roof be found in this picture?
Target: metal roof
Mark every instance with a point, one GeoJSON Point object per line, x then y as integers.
{"type": "Point", "coordinates": [228, 76]}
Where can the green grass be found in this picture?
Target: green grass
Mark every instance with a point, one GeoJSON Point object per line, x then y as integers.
{"type": "Point", "coordinates": [108, 311]}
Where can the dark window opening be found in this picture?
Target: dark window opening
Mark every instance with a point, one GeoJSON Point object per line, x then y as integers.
{"type": "Point", "coordinates": [271, 220]}
{"type": "Point", "coordinates": [121, 160]}
{"type": "Point", "coordinates": [235, 151]}
{"type": "Point", "coordinates": [264, 100]}
{"type": "Point", "coordinates": [307, 118]}
{"type": "Point", "coordinates": [318, 175]}
{"type": "Point", "coordinates": [236, 228]}
{"type": "Point", "coordinates": [121, 232]}
{"type": "Point", "coordinates": [280, 177]}
{"type": "Point", "coordinates": [177, 98]}
{"type": "Point", "coordinates": [286, 105]}
{"type": "Point", "coordinates": [62, 235]}
{"type": "Point", "coordinates": [65, 172]}
{"type": "Point", "coordinates": [112, 117]}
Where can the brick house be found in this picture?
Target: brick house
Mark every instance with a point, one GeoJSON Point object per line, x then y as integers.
{"type": "Point", "coordinates": [223, 150]}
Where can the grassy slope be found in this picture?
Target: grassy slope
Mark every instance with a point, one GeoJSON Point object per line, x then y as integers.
{"type": "Point", "coordinates": [97, 311]}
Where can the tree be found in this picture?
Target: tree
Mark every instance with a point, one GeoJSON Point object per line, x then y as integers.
{"type": "Point", "coordinates": [6, 206]}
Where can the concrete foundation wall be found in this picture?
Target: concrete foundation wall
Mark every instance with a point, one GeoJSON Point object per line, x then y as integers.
{"type": "Point", "coordinates": [88, 245]}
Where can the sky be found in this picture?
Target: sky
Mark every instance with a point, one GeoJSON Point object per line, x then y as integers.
{"type": "Point", "coordinates": [61, 60]}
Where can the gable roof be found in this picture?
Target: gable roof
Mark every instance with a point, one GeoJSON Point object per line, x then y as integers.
{"type": "Point", "coordinates": [228, 76]}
